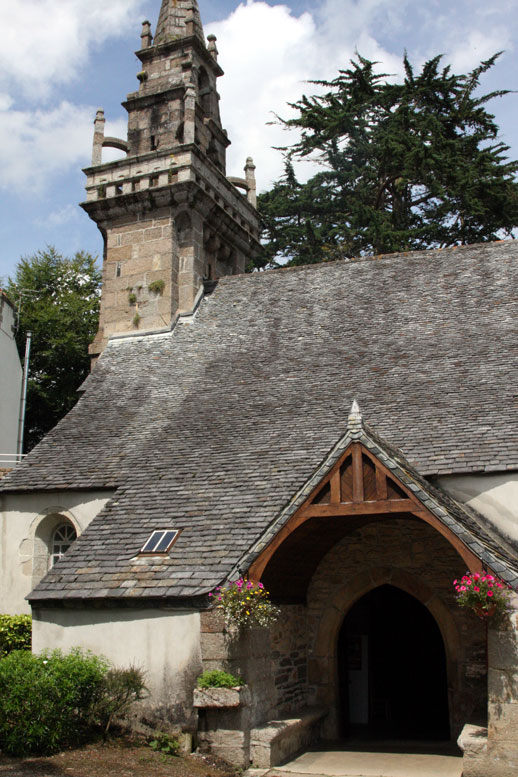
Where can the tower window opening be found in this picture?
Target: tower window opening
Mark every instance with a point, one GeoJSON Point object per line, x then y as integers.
{"type": "Point", "coordinates": [153, 181]}
{"type": "Point", "coordinates": [119, 270]}
{"type": "Point", "coordinates": [154, 143]}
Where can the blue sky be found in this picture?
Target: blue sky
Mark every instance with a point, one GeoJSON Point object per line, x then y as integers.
{"type": "Point", "coordinates": [61, 59]}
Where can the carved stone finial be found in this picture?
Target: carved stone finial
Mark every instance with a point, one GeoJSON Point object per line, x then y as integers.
{"type": "Point", "coordinates": [146, 36]}
{"type": "Point", "coordinates": [97, 149]}
{"type": "Point", "coordinates": [250, 179]}
{"type": "Point", "coordinates": [212, 48]}
{"type": "Point", "coordinates": [355, 420]}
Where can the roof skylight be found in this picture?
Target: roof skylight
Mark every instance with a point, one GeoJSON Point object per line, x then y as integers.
{"type": "Point", "coordinates": [160, 541]}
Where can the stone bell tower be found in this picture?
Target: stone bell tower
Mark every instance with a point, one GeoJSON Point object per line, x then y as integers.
{"type": "Point", "coordinates": [169, 216]}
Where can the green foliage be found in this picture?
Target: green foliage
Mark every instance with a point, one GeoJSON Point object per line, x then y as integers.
{"type": "Point", "coordinates": [136, 320]}
{"type": "Point", "coordinates": [164, 743]}
{"type": "Point", "coordinates": [119, 690]}
{"type": "Point", "coordinates": [51, 701]}
{"type": "Point", "coordinates": [58, 300]}
{"type": "Point", "coordinates": [157, 287]}
{"type": "Point", "coordinates": [216, 678]}
{"type": "Point", "coordinates": [405, 166]}
{"type": "Point", "coordinates": [45, 700]}
{"type": "Point", "coordinates": [132, 298]}
{"type": "Point", "coordinates": [15, 633]}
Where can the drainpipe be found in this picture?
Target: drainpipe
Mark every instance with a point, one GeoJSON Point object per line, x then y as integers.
{"type": "Point", "coordinates": [23, 404]}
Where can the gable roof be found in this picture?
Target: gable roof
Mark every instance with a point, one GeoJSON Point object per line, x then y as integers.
{"type": "Point", "coordinates": [458, 521]}
{"type": "Point", "coordinates": [213, 427]}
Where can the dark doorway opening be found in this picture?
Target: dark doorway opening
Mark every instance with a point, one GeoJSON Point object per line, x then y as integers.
{"type": "Point", "coordinates": [392, 669]}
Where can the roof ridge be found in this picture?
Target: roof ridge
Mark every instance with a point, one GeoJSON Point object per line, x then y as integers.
{"type": "Point", "coordinates": [361, 259]}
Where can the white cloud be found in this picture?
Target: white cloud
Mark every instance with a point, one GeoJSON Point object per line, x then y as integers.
{"type": "Point", "coordinates": [37, 145]}
{"type": "Point", "coordinates": [45, 42]}
{"type": "Point", "coordinates": [269, 54]}
{"type": "Point", "coordinates": [58, 218]}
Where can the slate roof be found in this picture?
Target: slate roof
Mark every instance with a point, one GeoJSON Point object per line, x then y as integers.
{"type": "Point", "coordinates": [214, 427]}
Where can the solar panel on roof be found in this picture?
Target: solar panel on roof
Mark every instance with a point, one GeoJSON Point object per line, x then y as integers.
{"type": "Point", "coordinates": [160, 541]}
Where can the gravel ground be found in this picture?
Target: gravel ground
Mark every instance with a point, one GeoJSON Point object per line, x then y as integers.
{"type": "Point", "coordinates": [115, 759]}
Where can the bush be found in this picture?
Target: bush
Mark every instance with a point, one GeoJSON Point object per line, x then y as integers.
{"type": "Point", "coordinates": [15, 633]}
{"type": "Point", "coordinates": [219, 679]}
{"type": "Point", "coordinates": [116, 694]}
{"type": "Point", "coordinates": [53, 700]}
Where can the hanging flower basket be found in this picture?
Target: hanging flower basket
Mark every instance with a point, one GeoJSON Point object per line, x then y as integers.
{"type": "Point", "coordinates": [245, 604]}
{"type": "Point", "coordinates": [483, 593]}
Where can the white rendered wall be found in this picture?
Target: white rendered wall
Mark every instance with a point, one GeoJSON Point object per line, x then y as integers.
{"type": "Point", "coordinates": [165, 643]}
{"type": "Point", "coordinates": [495, 496]}
{"type": "Point", "coordinates": [26, 524]}
{"type": "Point", "coordinates": [10, 381]}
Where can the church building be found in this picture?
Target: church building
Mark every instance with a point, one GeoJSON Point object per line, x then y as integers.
{"type": "Point", "coordinates": [344, 433]}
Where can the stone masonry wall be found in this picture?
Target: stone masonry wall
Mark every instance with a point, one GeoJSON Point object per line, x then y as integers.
{"type": "Point", "coordinates": [415, 550]}
{"type": "Point", "coordinates": [139, 252]}
{"type": "Point", "coordinates": [289, 641]}
{"type": "Point", "coordinates": [247, 655]}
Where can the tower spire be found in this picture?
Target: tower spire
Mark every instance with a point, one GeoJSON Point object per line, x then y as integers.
{"type": "Point", "coordinates": [178, 19]}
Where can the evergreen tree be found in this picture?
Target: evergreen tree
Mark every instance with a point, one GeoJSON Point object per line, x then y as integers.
{"type": "Point", "coordinates": [58, 301]}
{"type": "Point", "coordinates": [405, 166]}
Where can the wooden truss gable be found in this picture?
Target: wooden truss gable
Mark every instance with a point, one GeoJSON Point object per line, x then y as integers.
{"type": "Point", "coordinates": [359, 484]}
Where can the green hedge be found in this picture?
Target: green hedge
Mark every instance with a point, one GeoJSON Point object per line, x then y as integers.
{"type": "Point", "coordinates": [53, 700]}
{"type": "Point", "coordinates": [15, 633]}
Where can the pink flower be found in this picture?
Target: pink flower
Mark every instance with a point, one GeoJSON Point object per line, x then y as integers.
{"type": "Point", "coordinates": [468, 581]}
{"type": "Point", "coordinates": [463, 588]}
{"type": "Point", "coordinates": [249, 585]}
{"type": "Point", "coordinates": [476, 576]}
{"type": "Point", "coordinates": [476, 588]}
{"type": "Point", "coordinates": [490, 593]}
{"type": "Point", "coordinates": [260, 585]}
{"type": "Point", "coordinates": [210, 593]}
{"type": "Point", "coordinates": [455, 581]}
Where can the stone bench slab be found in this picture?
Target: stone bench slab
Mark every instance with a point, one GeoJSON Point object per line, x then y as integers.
{"type": "Point", "coordinates": [278, 740]}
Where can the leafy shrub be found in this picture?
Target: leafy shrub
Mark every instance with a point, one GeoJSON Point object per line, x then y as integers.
{"type": "Point", "coordinates": [164, 743]}
{"type": "Point", "coordinates": [15, 633]}
{"type": "Point", "coordinates": [45, 700]}
{"type": "Point", "coordinates": [119, 689]}
{"type": "Point", "coordinates": [52, 700]}
{"type": "Point", "coordinates": [216, 678]}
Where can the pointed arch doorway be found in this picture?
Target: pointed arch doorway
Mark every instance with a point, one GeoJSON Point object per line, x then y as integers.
{"type": "Point", "coordinates": [392, 669]}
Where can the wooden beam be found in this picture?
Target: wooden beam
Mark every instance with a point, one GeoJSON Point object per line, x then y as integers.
{"type": "Point", "coordinates": [357, 473]}
{"type": "Point", "coordinates": [381, 483]}
{"type": "Point", "coordinates": [335, 487]}
{"type": "Point", "coordinates": [360, 508]}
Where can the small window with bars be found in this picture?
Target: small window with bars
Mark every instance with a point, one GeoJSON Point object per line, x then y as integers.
{"type": "Point", "coordinates": [160, 541]}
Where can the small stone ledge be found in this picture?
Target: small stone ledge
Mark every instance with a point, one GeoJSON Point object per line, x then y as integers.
{"type": "Point", "coordinates": [278, 740]}
{"type": "Point", "coordinates": [473, 743]}
{"type": "Point", "coordinates": [221, 698]}
{"type": "Point", "coordinates": [473, 740]}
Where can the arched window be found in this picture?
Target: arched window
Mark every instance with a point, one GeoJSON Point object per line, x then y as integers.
{"type": "Point", "coordinates": [62, 539]}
